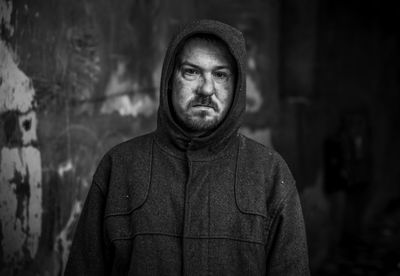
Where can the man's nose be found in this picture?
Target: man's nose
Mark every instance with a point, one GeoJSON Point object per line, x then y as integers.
{"type": "Point", "coordinates": [207, 87]}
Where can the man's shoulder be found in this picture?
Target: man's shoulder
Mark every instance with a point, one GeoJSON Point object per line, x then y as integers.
{"type": "Point", "coordinates": [131, 147]}
{"type": "Point", "coordinates": [253, 144]}
{"type": "Point", "coordinates": [258, 161]}
{"type": "Point", "coordinates": [258, 152]}
{"type": "Point", "coordinates": [133, 152]}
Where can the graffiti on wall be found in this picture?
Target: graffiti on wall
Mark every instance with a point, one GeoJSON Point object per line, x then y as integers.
{"type": "Point", "coordinates": [20, 158]}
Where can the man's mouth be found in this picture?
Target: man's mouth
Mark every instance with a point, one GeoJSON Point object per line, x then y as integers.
{"type": "Point", "coordinates": [204, 105]}
{"type": "Point", "coordinates": [203, 102]}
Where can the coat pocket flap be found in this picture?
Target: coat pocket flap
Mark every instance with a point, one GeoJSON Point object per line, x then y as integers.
{"type": "Point", "coordinates": [250, 193]}
{"type": "Point", "coordinates": [129, 183]}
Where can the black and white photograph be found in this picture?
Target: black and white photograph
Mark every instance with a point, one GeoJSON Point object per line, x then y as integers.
{"type": "Point", "coordinates": [171, 137]}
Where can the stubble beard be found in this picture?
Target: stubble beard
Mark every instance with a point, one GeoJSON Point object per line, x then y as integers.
{"type": "Point", "coordinates": [198, 122]}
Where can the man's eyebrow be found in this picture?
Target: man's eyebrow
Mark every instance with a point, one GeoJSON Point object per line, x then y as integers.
{"type": "Point", "coordinates": [182, 63]}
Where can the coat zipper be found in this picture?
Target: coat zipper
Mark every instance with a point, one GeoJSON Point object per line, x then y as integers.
{"type": "Point", "coordinates": [186, 210]}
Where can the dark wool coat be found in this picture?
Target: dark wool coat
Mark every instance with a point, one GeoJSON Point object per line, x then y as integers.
{"type": "Point", "coordinates": [167, 203]}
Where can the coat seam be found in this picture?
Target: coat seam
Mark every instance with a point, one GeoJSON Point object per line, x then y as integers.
{"type": "Point", "coordinates": [235, 187]}
{"type": "Point", "coordinates": [100, 188]}
{"type": "Point", "coordinates": [276, 213]}
{"type": "Point", "coordinates": [122, 213]}
{"type": "Point", "coordinates": [131, 237]}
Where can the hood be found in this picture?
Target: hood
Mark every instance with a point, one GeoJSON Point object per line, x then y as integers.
{"type": "Point", "coordinates": [228, 128]}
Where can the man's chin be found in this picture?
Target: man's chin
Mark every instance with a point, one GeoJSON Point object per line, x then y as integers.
{"type": "Point", "coordinates": [198, 123]}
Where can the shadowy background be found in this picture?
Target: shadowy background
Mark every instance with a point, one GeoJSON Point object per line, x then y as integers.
{"type": "Point", "coordinates": [77, 77]}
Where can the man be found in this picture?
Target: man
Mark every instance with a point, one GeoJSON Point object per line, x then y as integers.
{"type": "Point", "coordinates": [194, 197]}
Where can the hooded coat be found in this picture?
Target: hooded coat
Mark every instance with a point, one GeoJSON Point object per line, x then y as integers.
{"type": "Point", "coordinates": [167, 203]}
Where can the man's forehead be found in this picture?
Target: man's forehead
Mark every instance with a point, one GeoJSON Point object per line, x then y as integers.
{"type": "Point", "coordinates": [202, 43]}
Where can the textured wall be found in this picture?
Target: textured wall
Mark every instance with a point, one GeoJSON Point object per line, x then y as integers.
{"type": "Point", "coordinates": [77, 78]}
{"type": "Point", "coordinates": [20, 158]}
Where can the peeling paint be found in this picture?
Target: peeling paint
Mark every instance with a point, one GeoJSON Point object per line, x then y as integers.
{"type": "Point", "coordinates": [124, 97]}
{"type": "Point", "coordinates": [125, 105]}
{"type": "Point", "coordinates": [5, 17]}
{"type": "Point", "coordinates": [28, 127]}
{"type": "Point", "coordinates": [254, 98]}
{"type": "Point", "coordinates": [16, 90]}
{"type": "Point", "coordinates": [20, 161]}
{"type": "Point", "coordinates": [83, 61]}
{"type": "Point", "coordinates": [65, 167]}
{"type": "Point", "coordinates": [21, 202]}
{"type": "Point", "coordinates": [64, 238]}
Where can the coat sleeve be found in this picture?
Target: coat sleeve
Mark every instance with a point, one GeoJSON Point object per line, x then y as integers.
{"type": "Point", "coordinates": [90, 252]}
{"type": "Point", "coordinates": [287, 253]}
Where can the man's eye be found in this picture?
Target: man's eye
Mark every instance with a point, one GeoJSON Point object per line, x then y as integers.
{"type": "Point", "coordinates": [221, 75]}
{"type": "Point", "coordinates": [190, 72]}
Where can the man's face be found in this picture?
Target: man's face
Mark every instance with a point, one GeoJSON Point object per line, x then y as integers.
{"type": "Point", "coordinates": [203, 85]}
